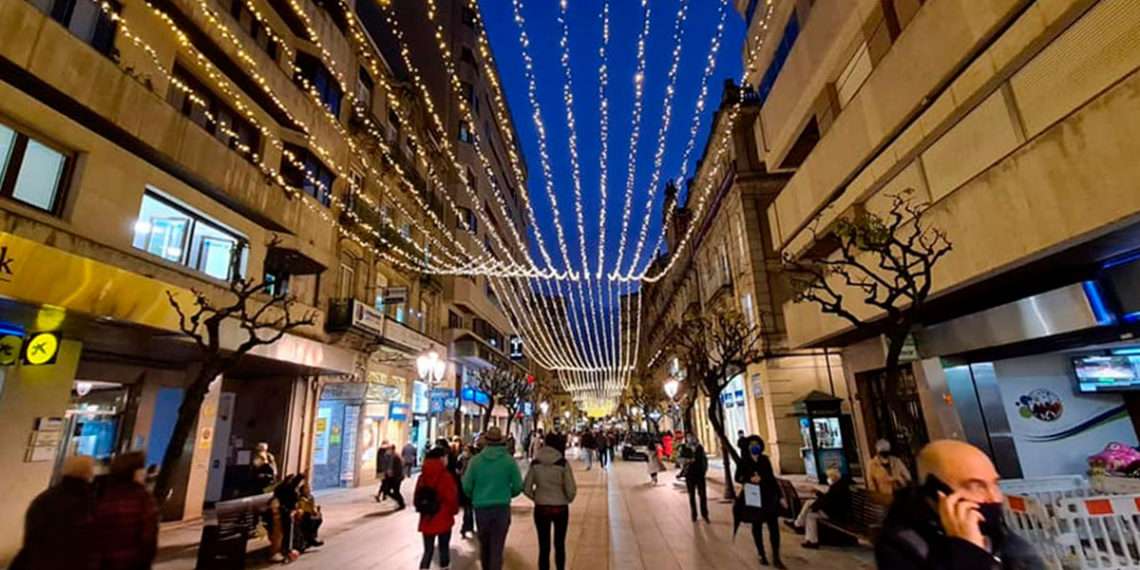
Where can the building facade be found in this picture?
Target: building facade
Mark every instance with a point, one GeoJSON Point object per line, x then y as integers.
{"type": "Point", "coordinates": [158, 149]}
{"type": "Point", "coordinates": [1017, 133]}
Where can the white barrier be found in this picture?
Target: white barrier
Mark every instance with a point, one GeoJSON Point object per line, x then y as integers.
{"type": "Point", "coordinates": [1101, 532]}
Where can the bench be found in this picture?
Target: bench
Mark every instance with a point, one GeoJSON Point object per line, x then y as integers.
{"type": "Point", "coordinates": [228, 527]}
{"type": "Point", "coordinates": [865, 521]}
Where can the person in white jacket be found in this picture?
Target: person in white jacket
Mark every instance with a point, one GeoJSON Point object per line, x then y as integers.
{"type": "Point", "coordinates": [550, 484]}
{"type": "Point", "coordinates": [536, 443]}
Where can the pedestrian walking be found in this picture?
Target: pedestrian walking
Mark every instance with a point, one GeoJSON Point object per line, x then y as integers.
{"type": "Point", "coordinates": [58, 524]}
{"type": "Point", "coordinates": [954, 520]}
{"type": "Point", "coordinates": [126, 517]}
{"type": "Point", "coordinates": [603, 448]}
{"type": "Point", "coordinates": [654, 462]}
{"type": "Point", "coordinates": [390, 485]}
{"type": "Point", "coordinates": [550, 484]}
{"type": "Point", "coordinates": [437, 500]}
{"type": "Point", "coordinates": [587, 442]}
{"type": "Point", "coordinates": [667, 445]}
{"type": "Point", "coordinates": [759, 500]}
{"type": "Point", "coordinates": [491, 481]}
{"type": "Point", "coordinates": [696, 471]}
{"type": "Point", "coordinates": [409, 455]}
{"type": "Point", "coordinates": [536, 443]}
{"type": "Point", "coordinates": [468, 526]}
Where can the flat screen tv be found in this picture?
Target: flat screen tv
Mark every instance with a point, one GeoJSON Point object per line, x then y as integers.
{"type": "Point", "coordinates": [1104, 373]}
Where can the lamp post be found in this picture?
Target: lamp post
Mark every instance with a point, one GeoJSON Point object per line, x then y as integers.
{"type": "Point", "coordinates": [671, 387]}
{"type": "Point", "coordinates": [431, 369]}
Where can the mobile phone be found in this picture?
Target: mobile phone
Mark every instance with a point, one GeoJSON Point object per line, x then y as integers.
{"type": "Point", "coordinates": [933, 485]}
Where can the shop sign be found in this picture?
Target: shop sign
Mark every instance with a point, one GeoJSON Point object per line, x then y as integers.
{"type": "Point", "coordinates": [421, 402]}
{"type": "Point", "coordinates": [11, 346]}
{"type": "Point", "coordinates": [398, 411]}
{"type": "Point", "coordinates": [321, 436]}
{"type": "Point", "coordinates": [348, 455]}
{"type": "Point", "coordinates": [344, 391]}
{"type": "Point", "coordinates": [41, 349]}
{"type": "Point", "coordinates": [470, 394]}
{"type": "Point", "coordinates": [367, 318]}
{"type": "Point", "coordinates": [516, 347]}
{"type": "Point", "coordinates": [528, 409]}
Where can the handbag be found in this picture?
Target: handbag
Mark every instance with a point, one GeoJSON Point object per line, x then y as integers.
{"type": "Point", "coordinates": [752, 496]}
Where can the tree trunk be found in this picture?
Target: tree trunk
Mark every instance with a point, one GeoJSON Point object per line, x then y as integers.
{"type": "Point", "coordinates": [716, 417]}
{"type": "Point", "coordinates": [184, 426]}
{"type": "Point", "coordinates": [487, 417]}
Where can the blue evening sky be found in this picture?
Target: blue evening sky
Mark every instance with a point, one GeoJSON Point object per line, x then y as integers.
{"type": "Point", "coordinates": [585, 39]}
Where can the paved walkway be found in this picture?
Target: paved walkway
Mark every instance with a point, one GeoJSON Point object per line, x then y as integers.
{"type": "Point", "coordinates": [617, 522]}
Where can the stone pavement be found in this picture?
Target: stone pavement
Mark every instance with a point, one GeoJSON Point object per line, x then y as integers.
{"type": "Point", "coordinates": [617, 522]}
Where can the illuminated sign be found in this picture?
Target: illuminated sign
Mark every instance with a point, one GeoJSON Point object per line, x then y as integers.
{"type": "Point", "coordinates": [41, 349]}
{"type": "Point", "coordinates": [516, 347]}
{"type": "Point", "coordinates": [10, 347]}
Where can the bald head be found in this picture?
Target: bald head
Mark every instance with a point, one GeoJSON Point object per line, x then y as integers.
{"type": "Point", "coordinates": [963, 467]}
{"type": "Point", "coordinates": [79, 467]}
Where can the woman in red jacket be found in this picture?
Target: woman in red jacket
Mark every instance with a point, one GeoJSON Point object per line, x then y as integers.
{"type": "Point", "coordinates": [437, 500]}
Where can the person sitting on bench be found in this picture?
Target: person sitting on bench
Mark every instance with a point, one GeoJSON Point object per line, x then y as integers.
{"type": "Point", "coordinates": [831, 505]}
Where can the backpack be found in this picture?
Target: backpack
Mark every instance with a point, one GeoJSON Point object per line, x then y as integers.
{"type": "Point", "coordinates": [426, 501]}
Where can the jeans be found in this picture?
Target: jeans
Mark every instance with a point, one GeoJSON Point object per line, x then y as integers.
{"type": "Point", "coordinates": [589, 457]}
{"type": "Point", "coordinates": [695, 486]}
{"type": "Point", "coordinates": [544, 518]}
{"type": "Point", "coordinates": [603, 455]}
{"type": "Point", "coordinates": [493, 523]}
{"type": "Point", "coordinates": [444, 541]}
{"type": "Point", "coordinates": [773, 523]}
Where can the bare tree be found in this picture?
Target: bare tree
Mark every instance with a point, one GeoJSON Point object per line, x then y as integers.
{"type": "Point", "coordinates": [506, 388]}
{"type": "Point", "coordinates": [649, 397]}
{"type": "Point", "coordinates": [887, 262]}
{"type": "Point", "coordinates": [262, 315]}
{"type": "Point", "coordinates": [714, 349]}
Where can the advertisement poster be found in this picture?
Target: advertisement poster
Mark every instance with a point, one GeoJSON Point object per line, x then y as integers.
{"type": "Point", "coordinates": [1054, 427]}
{"type": "Point", "coordinates": [348, 455]}
{"type": "Point", "coordinates": [321, 437]}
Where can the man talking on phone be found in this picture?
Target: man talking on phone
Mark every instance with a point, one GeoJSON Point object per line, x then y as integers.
{"type": "Point", "coordinates": [953, 519]}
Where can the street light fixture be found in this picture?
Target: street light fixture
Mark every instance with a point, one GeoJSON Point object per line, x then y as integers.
{"type": "Point", "coordinates": [545, 407]}
{"type": "Point", "coordinates": [671, 388]}
{"type": "Point", "coordinates": [431, 367]}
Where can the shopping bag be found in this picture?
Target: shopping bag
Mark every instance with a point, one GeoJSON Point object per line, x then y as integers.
{"type": "Point", "coordinates": [752, 495]}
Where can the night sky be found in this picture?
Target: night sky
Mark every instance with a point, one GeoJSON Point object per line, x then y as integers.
{"type": "Point", "coordinates": [585, 39]}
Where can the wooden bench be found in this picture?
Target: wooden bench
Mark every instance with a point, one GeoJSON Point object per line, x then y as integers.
{"type": "Point", "coordinates": [865, 520]}
{"type": "Point", "coordinates": [228, 528]}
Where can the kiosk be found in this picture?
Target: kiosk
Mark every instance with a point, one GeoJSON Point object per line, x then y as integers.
{"type": "Point", "coordinates": [827, 435]}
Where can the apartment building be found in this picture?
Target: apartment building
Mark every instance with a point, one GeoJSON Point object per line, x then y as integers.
{"type": "Point", "coordinates": [451, 59]}
{"type": "Point", "coordinates": [171, 147]}
{"type": "Point", "coordinates": [729, 264]}
{"type": "Point", "coordinates": [1015, 121]}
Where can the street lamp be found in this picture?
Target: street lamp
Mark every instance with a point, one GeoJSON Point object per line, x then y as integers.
{"type": "Point", "coordinates": [671, 388]}
{"type": "Point", "coordinates": [545, 407]}
{"type": "Point", "coordinates": [431, 367]}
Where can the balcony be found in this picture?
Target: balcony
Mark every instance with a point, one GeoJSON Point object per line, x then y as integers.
{"type": "Point", "coordinates": [347, 315]}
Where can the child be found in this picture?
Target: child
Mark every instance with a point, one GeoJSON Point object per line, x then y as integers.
{"type": "Point", "coordinates": [655, 463]}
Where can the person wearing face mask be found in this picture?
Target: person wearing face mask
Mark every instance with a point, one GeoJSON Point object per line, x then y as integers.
{"type": "Point", "coordinates": [756, 469]}
{"type": "Point", "coordinates": [887, 473]}
{"type": "Point", "coordinates": [695, 483]}
{"type": "Point", "coordinates": [953, 520]}
{"type": "Point", "coordinates": [832, 505]}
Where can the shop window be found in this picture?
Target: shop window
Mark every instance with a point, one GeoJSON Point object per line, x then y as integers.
{"type": "Point", "coordinates": [312, 75]}
{"type": "Point", "coordinates": [31, 171]}
{"type": "Point", "coordinates": [211, 114]}
{"type": "Point", "coordinates": [307, 173]}
{"type": "Point", "coordinates": [180, 235]}
{"type": "Point", "coordinates": [85, 20]}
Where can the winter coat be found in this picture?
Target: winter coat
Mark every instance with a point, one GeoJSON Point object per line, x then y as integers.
{"type": "Point", "coordinates": [550, 480]}
{"type": "Point", "coordinates": [126, 526]}
{"type": "Point", "coordinates": [836, 502]}
{"type": "Point", "coordinates": [395, 470]}
{"type": "Point", "coordinates": [912, 539]}
{"type": "Point", "coordinates": [698, 466]}
{"type": "Point", "coordinates": [769, 490]}
{"type": "Point", "coordinates": [886, 477]}
{"type": "Point", "coordinates": [436, 475]}
{"type": "Point", "coordinates": [58, 527]}
{"type": "Point", "coordinates": [492, 478]}
{"type": "Point", "coordinates": [588, 441]}
{"type": "Point", "coordinates": [408, 454]}
{"type": "Point", "coordinates": [667, 444]}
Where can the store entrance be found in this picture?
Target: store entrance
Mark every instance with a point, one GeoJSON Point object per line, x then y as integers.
{"type": "Point", "coordinates": [94, 421]}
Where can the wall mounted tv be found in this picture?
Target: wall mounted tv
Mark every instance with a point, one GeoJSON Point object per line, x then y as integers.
{"type": "Point", "coordinates": [1107, 373]}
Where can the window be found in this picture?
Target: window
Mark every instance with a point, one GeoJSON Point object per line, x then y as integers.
{"type": "Point", "coordinates": [465, 134]}
{"type": "Point", "coordinates": [746, 308]}
{"type": "Point", "coordinates": [180, 235]}
{"type": "Point", "coordinates": [277, 281]}
{"type": "Point", "coordinates": [312, 75]}
{"type": "Point", "coordinates": [406, 231]}
{"type": "Point", "coordinates": [468, 57]}
{"type": "Point", "coordinates": [469, 17]}
{"type": "Point", "coordinates": [262, 35]}
{"type": "Point", "coordinates": [31, 172]}
{"type": "Point", "coordinates": [853, 76]}
{"type": "Point", "coordinates": [470, 97]}
{"type": "Point", "coordinates": [468, 217]}
{"type": "Point", "coordinates": [211, 114]}
{"type": "Point", "coordinates": [345, 282]}
{"type": "Point", "coordinates": [791, 32]}
{"type": "Point", "coordinates": [364, 87]}
{"type": "Point", "coordinates": [311, 175]}
{"type": "Point", "coordinates": [85, 20]}
{"type": "Point", "coordinates": [454, 321]}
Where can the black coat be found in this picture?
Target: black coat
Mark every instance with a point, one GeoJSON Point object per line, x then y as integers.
{"type": "Point", "coordinates": [58, 528]}
{"type": "Point", "coordinates": [836, 502]}
{"type": "Point", "coordinates": [769, 490]}
{"type": "Point", "coordinates": [698, 468]}
{"type": "Point", "coordinates": [912, 539]}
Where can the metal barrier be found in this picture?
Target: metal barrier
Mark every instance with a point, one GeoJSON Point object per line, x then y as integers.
{"type": "Point", "coordinates": [1101, 532]}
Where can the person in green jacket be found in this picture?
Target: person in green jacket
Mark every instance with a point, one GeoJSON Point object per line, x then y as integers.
{"type": "Point", "coordinates": [491, 481]}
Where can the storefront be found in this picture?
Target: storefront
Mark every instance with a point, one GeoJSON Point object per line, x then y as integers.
{"type": "Point", "coordinates": [735, 405]}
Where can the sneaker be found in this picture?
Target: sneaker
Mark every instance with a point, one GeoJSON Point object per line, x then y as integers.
{"type": "Point", "coordinates": [277, 557]}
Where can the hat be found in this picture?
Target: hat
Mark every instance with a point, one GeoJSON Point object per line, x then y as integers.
{"type": "Point", "coordinates": [883, 446]}
{"type": "Point", "coordinates": [493, 436]}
